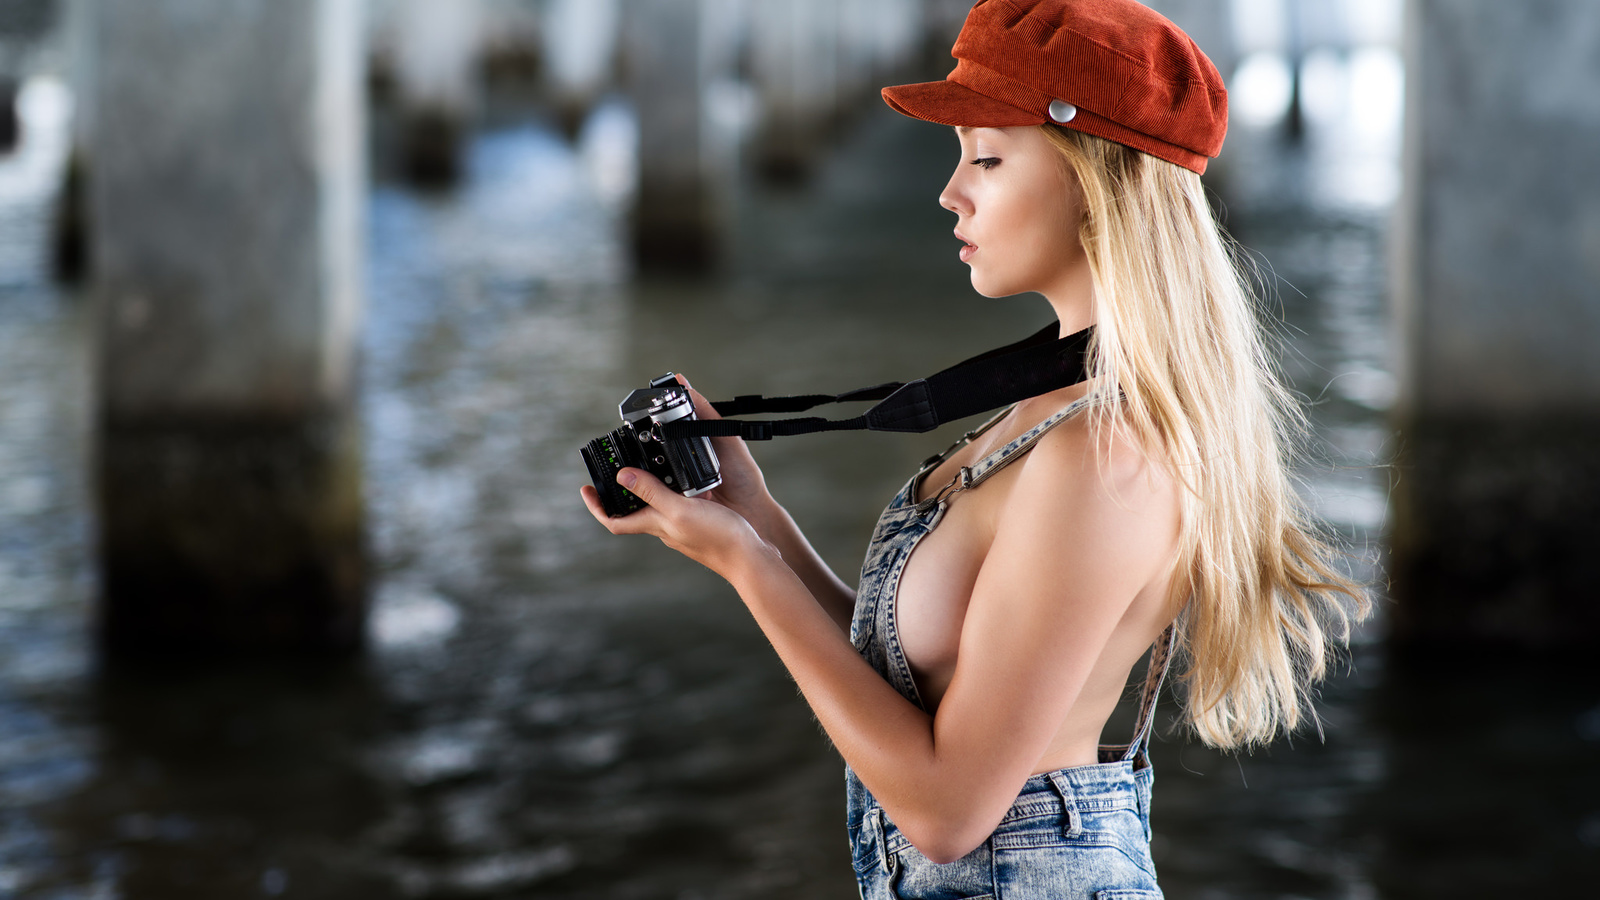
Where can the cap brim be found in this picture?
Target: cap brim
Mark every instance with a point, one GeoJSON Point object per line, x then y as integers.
{"type": "Point", "coordinates": [949, 103]}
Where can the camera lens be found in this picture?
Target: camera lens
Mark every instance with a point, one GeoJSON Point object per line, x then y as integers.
{"type": "Point", "coordinates": [605, 457]}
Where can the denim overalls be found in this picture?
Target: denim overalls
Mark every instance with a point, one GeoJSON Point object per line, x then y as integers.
{"type": "Point", "coordinates": [1081, 832]}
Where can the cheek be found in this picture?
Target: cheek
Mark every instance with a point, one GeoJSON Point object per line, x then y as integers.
{"type": "Point", "coordinates": [1055, 217]}
{"type": "Point", "coordinates": [1040, 234]}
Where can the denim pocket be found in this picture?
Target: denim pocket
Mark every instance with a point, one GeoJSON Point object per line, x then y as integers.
{"type": "Point", "coordinates": [915, 877]}
{"type": "Point", "coordinates": [1124, 830]}
{"type": "Point", "coordinates": [911, 876]}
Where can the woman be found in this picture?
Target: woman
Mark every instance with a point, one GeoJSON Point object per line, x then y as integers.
{"type": "Point", "coordinates": [1148, 508]}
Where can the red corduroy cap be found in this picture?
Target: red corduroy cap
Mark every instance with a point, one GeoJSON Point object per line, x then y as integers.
{"type": "Point", "coordinates": [1111, 68]}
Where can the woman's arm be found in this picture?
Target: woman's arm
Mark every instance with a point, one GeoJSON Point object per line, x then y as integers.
{"type": "Point", "coordinates": [1075, 546]}
{"type": "Point", "coordinates": [744, 490]}
{"type": "Point", "coordinates": [777, 528]}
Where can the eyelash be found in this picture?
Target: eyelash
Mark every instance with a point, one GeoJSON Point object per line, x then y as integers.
{"type": "Point", "coordinates": [987, 162]}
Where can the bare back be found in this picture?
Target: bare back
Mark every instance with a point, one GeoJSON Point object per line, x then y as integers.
{"type": "Point", "coordinates": [940, 578]}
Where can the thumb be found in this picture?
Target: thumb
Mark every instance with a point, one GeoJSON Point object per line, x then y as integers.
{"type": "Point", "coordinates": [647, 487]}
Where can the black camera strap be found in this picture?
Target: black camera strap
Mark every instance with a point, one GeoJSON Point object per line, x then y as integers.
{"type": "Point", "coordinates": [1035, 365]}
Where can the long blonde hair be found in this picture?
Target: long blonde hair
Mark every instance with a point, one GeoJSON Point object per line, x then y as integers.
{"type": "Point", "coordinates": [1180, 362]}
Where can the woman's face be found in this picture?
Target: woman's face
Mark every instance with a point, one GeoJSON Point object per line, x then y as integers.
{"type": "Point", "coordinates": [1018, 211]}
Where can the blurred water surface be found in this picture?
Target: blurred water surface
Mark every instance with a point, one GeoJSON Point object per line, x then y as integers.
{"type": "Point", "coordinates": [549, 712]}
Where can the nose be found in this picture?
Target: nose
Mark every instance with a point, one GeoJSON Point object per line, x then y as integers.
{"type": "Point", "coordinates": [953, 198]}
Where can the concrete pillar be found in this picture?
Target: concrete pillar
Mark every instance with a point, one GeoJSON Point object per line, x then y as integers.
{"type": "Point", "coordinates": [856, 56]}
{"type": "Point", "coordinates": [876, 38]}
{"type": "Point", "coordinates": [10, 124]}
{"type": "Point", "coordinates": [69, 234]}
{"type": "Point", "coordinates": [896, 33]}
{"type": "Point", "coordinates": [22, 23]}
{"type": "Point", "coordinates": [1497, 312]}
{"type": "Point", "coordinates": [794, 45]}
{"type": "Point", "coordinates": [579, 42]}
{"type": "Point", "coordinates": [511, 42]}
{"type": "Point", "coordinates": [943, 20]}
{"type": "Point", "coordinates": [1294, 119]}
{"type": "Point", "coordinates": [436, 44]}
{"type": "Point", "coordinates": [226, 201]}
{"type": "Point", "coordinates": [675, 49]}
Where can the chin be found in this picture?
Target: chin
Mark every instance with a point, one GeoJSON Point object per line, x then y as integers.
{"type": "Point", "coordinates": [992, 289]}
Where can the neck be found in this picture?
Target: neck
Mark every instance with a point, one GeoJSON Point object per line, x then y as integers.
{"type": "Point", "coordinates": [1072, 297]}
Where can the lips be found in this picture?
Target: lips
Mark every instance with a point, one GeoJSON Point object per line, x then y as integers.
{"type": "Point", "coordinates": [969, 248]}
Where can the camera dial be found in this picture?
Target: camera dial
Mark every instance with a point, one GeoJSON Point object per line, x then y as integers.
{"type": "Point", "coordinates": [658, 404]}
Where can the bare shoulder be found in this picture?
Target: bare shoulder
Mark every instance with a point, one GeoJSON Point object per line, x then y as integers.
{"type": "Point", "coordinates": [1099, 464]}
{"type": "Point", "coordinates": [1101, 497]}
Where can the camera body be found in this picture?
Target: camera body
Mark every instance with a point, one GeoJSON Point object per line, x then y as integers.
{"type": "Point", "coordinates": [687, 465]}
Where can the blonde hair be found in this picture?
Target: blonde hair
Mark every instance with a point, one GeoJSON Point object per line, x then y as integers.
{"type": "Point", "coordinates": [1176, 335]}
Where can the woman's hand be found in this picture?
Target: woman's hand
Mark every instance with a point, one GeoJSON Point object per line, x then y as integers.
{"type": "Point", "coordinates": [710, 538]}
{"type": "Point", "coordinates": [701, 528]}
{"type": "Point", "coordinates": [743, 488]}
{"type": "Point", "coordinates": [714, 529]}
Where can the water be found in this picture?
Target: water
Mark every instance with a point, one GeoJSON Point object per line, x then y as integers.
{"type": "Point", "coordinates": [549, 712]}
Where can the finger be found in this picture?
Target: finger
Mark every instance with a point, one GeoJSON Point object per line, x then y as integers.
{"type": "Point", "coordinates": [644, 521]}
{"type": "Point", "coordinates": [702, 406]}
{"type": "Point", "coordinates": [704, 410]}
{"type": "Point", "coordinates": [591, 499]}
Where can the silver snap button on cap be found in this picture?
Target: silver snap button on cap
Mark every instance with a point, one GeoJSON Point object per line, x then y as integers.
{"type": "Point", "coordinates": [1062, 111]}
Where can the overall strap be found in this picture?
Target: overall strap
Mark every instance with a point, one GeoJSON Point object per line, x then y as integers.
{"type": "Point", "coordinates": [970, 477]}
{"type": "Point", "coordinates": [933, 461]}
{"type": "Point", "coordinates": [1155, 674]}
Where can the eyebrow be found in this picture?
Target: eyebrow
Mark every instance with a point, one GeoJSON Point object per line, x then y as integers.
{"type": "Point", "coordinates": [963, 130]}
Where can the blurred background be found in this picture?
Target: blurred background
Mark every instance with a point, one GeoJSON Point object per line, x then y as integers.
{"type": "Point", "coordinates": [305, 308]}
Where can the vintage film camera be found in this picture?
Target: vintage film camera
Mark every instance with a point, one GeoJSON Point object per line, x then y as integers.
{"type": "Point", "coordinates": [687, 465]}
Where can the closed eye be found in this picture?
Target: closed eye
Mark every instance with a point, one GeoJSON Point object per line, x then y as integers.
{"type": "Point", "coordinates": [987, 162]}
